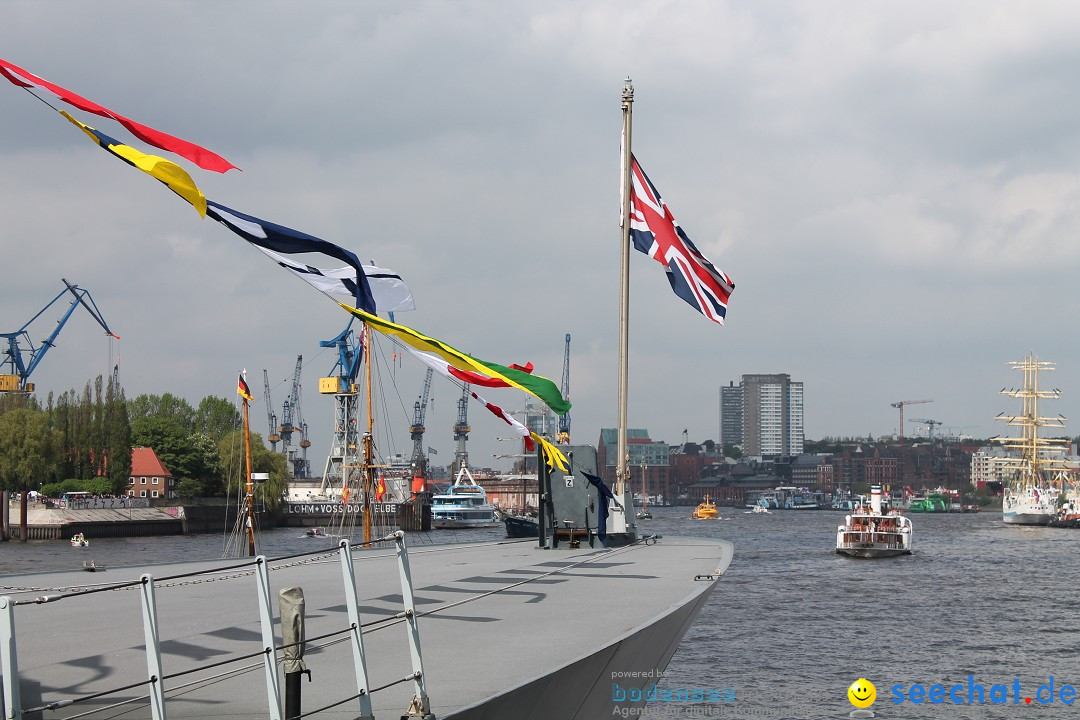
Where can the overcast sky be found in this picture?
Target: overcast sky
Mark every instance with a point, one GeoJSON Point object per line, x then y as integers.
{"type": "Point", "coordinates": [892, 186]}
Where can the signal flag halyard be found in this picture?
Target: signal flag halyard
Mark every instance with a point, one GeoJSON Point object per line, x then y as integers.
{"type": "Point", "coordinates": [281, 239]}
{"type": "Point", "coordinates": [172, 175]}
{"type": "Point", "coordinates": [202, 157]}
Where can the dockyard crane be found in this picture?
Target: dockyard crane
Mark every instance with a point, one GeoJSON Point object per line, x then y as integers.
{"type": "Point", "coordinates": [287, 414]}
{"type": "Point", "coordinates": [564, 420]}
{"type": "Point", "coordinates": [22, 367]}
{"type": "Point", "coordinates": [341, 383]}
{"type": "Point", "coordinates": [416, 430]}
{"type": "Point", "coordinates": [301, 469]}
{"type": "Point", "coordinates": [461, 431]}
{"type": "Point", "coordinates": [900, 404]}
{"type": "Point", "coordinates": [929, 424]}
{"type": "Point", "coordinates": [272, 437]}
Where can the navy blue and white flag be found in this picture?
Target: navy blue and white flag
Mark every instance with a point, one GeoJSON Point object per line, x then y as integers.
{"type": "Point", "coordinates": [656, 233]}
{"type": "Point", "coordinates": [280, 239]}
{"type": "Point", "coordinates": [389, 290]}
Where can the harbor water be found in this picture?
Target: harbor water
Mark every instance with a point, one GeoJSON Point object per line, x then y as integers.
{"type": "Point", "coordinates": [792, 625]}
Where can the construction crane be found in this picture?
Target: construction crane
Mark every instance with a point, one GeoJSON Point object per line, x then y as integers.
{"type": "Point", "coordinates": [22, 367]}
{"type": "Point", "coordinates": [272, 437]}
{"type": "Point", "coordinates": [929, 424]}
{"type": "Point", "coordinates": [416, 430]}
{"type": "Point", "coordinates": [900, 404]}
{"type": "Point", "coordinates": [461, 432]}
{"type": "Point", "coordinates": [288, 410]}
{"type": "Point", "coordinates": [564, 420]}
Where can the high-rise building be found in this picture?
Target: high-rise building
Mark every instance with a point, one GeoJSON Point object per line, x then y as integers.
{"type": "Point", "coordinates": [731, 414]}
{"type": "Point", "coordinates": [768, 409]}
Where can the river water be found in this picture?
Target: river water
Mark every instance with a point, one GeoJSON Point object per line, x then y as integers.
{"type": "Point", "coordinates": [792, 624]}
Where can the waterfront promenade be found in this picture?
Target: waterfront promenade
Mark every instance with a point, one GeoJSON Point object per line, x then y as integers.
{"type": "Point", "coordinates": [45, 523]}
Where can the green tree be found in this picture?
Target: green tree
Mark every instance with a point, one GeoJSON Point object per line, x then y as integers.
{"type": "Point", "coordinates": [27, 455]}
{"type": "Point", "coordinates": [19, 401]}
{"type": "Point", "coordinates": [216, 417]}
{"type": "Point", "coordinates": [162, 406]}
{"type": "Point", "coordinates": [231, 449]}
{"type": "Point", "coordinates": [202, 466]}
{"type": "Point", "coordinates": [117, 442]}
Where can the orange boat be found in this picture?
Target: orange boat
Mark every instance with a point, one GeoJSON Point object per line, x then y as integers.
{"type": "Point", "coordinates": [706, 510]}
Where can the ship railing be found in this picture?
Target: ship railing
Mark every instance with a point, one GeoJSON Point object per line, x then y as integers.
{"type": "Point", "coordinates": [153, 687]}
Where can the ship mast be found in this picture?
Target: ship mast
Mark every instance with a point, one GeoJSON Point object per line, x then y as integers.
{"type": "Point", "coordinates": [622, 468]}
{"type": "Point", "coordinates": [369, 443]}
{"type": "Point", "coordinates": [1032, 449]}
{"type": "Point", "coordinates": [249, 510]}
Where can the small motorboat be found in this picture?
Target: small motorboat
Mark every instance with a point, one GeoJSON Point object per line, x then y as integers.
{"type": "Point", "coordinates": [316, 532]}
{"type": "Point", "coordinates": [79, 540]}
{"type": "Point", "coordinates": [759, 510]}
{"type": "Point", "coordinates": [706, 510]}
{"type": "Point", "coordinates": [644, 515]}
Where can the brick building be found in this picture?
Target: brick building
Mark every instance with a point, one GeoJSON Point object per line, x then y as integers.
{"type": "Point", "coordinates": [149, 478]}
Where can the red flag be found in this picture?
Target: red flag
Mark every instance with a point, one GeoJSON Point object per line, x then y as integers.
{"type": "Point", "coordinates": [202, 157]}
{"type": "Point", "coordinates": [473, 378]}
{"type": "Point", "coordinates": [345, 494]}
{"type": "Point", "coordinates": [380, 490]}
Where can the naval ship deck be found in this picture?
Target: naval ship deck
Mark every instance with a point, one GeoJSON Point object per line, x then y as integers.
{"type": "Point", "coordinates": [506, 629]}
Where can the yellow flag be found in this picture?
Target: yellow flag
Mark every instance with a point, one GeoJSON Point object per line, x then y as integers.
{"type": "Point", "coordinates": [167, 172]}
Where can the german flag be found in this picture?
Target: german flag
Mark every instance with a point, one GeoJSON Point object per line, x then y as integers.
{"type": "Point", "coordinates": [243, 390]}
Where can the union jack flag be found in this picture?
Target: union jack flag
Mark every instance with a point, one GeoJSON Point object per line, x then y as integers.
{"type": "Point", "coordinates": [656, 233]}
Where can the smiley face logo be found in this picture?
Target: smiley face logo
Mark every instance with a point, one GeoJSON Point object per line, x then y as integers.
{"type": "Point", "coordinates": [862, 693]}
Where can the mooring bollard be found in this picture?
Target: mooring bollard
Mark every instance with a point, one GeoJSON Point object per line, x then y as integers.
{"type": "Point", "coordinates": [291, 610]}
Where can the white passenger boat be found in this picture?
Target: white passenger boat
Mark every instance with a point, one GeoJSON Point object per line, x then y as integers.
{"type": "Point", "coordinates": [869, 532]}
{"type": "Point", "coordinates": [463, 505]}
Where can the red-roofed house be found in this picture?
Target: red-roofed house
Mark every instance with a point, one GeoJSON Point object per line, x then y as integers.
{"type": "Point", "coordinates": [149, 478]}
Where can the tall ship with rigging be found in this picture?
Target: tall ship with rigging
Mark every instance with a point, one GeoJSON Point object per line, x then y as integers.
{"type": "Point", "coordinates": [1030, 495]}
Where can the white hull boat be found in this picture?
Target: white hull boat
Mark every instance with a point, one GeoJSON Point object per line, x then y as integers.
{"type": "Point", "coordinates": [872, 533]}
{"type": "Point", "coordinates": [1028, 506]}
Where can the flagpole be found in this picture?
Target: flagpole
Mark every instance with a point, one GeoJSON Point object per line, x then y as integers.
{"type": "Point", "coordinates": [623, 460]}
{"type": "Point", "coordinates": [249, 514]}
{"type": "Point", "coordinates": [369, 454]}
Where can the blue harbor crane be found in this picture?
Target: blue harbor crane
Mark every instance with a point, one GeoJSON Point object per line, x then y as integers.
{"type": "Point", "coordinates": [341, 383]}
{"type": "Point", "coordinates": [416, 430]}
{"type": "Point", "coordinates": [564, 420]}
{"type": "Point", "coordinates": [23, 360]}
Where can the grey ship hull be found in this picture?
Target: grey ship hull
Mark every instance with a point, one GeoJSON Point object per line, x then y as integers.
{"type": "Point", "coordinates": [550, 642]}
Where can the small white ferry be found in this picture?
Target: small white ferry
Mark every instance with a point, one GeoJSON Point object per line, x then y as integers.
{"type": "Point", "coordinates": [463, 505]}
{"type": "Point", "coordinates": [869, 532]}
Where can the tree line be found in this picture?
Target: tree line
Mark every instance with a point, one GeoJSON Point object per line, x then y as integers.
{"type": "Point", "coordinates": [84, 440]}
